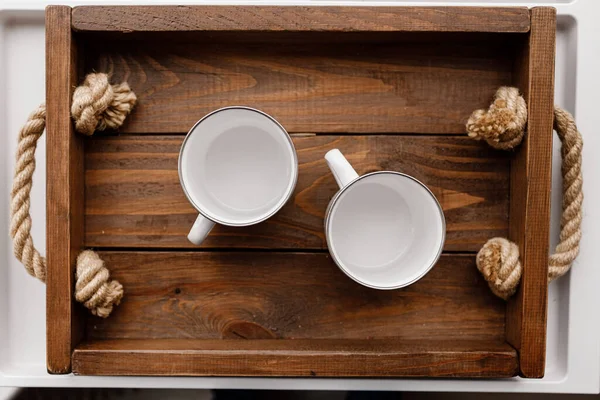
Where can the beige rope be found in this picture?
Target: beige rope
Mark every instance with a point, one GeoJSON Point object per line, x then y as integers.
{"type": "Point", "coordinates": [502, 125]}
{"type": "Point", "coordinates": [498, 262]}
{"type": "Point", "coordinates": [92, 287]}
{"type": "Point", "coordinates": [96, 103]}
{"type": "Point", "coordinates": [20, 219]}
{"type": "Point", "coordinates": [570, 223]}
{"type": "Point", "coordinates": [498, 259]}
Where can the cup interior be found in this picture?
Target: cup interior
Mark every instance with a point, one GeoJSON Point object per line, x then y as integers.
{"type": "Point", "coordinates": [385, 230]}
{"type": "Point", "coordinates": [238, 166]}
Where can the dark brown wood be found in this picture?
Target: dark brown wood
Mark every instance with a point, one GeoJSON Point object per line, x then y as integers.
{"type": "Point", "coordinates": [414, 73]}
{"type": "Point", "coordinates": [320, 358]}
{"type": "Point", "coordinates": [531, 179]}
{"type": "Point", "coordinates": [134, 199]}
{"type": "Point", "coordinates": [282, 18]}
{"type": "Point", "coordinates": [353, 87]}
{"type": "Point", "coordinates": [64, 192]}
{"type": "Point", "coordinates": [257, 295]}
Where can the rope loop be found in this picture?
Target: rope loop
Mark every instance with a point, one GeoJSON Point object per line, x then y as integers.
{"type": "Point", "coordinates": [502, 126]}
{"type": "Point", "coordinates": [96, 106]}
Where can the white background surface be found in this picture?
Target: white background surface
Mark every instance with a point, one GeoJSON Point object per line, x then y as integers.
{"type": "Point", "coordinates": [573, 359]}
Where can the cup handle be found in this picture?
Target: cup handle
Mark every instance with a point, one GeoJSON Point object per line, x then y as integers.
{"type": "Point", "coordinates": [200, 229]}
{"type": "Point", "coordinates": [340, 167]}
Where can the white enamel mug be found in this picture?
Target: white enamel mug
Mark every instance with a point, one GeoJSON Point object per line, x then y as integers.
{"type": "Point", "coordinates": [385, 229]}
{"type": "Point", "coordinates": [238, 167]}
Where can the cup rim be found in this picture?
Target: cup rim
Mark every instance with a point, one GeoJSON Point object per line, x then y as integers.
{"type": "Point", "coordinates": [335, 257]}
{"type": "Point", "coordinates": [282, 202]}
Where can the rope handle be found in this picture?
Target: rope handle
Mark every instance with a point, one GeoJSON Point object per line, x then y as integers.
{"type": "Point", "coordinates": [97, 105]}
{"type": "Point", "coordinates": [502, 126]}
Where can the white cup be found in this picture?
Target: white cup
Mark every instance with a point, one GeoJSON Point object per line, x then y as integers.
{"type": "Point", "coordinates": [238, 167]}
{"type": "Point", "coordinates": [385, 229]}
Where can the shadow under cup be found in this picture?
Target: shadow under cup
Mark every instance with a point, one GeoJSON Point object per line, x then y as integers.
{"type": "Point", "coordinates": [385, 230]}
{"type": "Point", "coordinates": [238, 166]}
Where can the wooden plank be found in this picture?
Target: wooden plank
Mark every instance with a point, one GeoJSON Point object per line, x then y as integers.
{"type": "Point", "coordinates": [285, 18]}
{"type": "Point", "coordinates": [262, 295]}
{"type": "Point", "coordinates": [134, 199]}
{"type": "Point", "coordinates": [321, 358]}
{"type": "Point", "coordinates": [531, 176]}
{"type": "Point", "coordinates": [64, 191]}
{"type": "Point", "coordinates": [391, 86]}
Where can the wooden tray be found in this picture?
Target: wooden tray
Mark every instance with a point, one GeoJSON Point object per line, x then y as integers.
{"type": "Point", "coordinates": [392, 88]}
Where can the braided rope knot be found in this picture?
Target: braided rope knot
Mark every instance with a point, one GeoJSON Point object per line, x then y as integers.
{"type": "Point", "coordinates": [498, 259]}
{"type": "Point", "coordinates": [98, 105]}
{"type": "Point", "coordinates": [93, 288]}
{"type": "Point", "coordinates": [498, 262]}
{"type": "Point", "coordinates": [502, 125]}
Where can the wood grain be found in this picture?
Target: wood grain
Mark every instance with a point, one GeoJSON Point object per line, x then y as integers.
{"type": "Point", "coordinates": [263, 295]}
{"type": "Point", "coordinates": [531, 179]}
{"type": "Point", "coordinates": [134, 199]}
{"type": "Point", "coordinates": [335, 358]}
{"type": "Point", "coordinates": [64, 192]}
{"type": "Point", "coordinates": [354, 87]}
{"type": "Point", "coordinates": [356, 72]}
{"type": "Point", "coordinates": [285, 18]}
